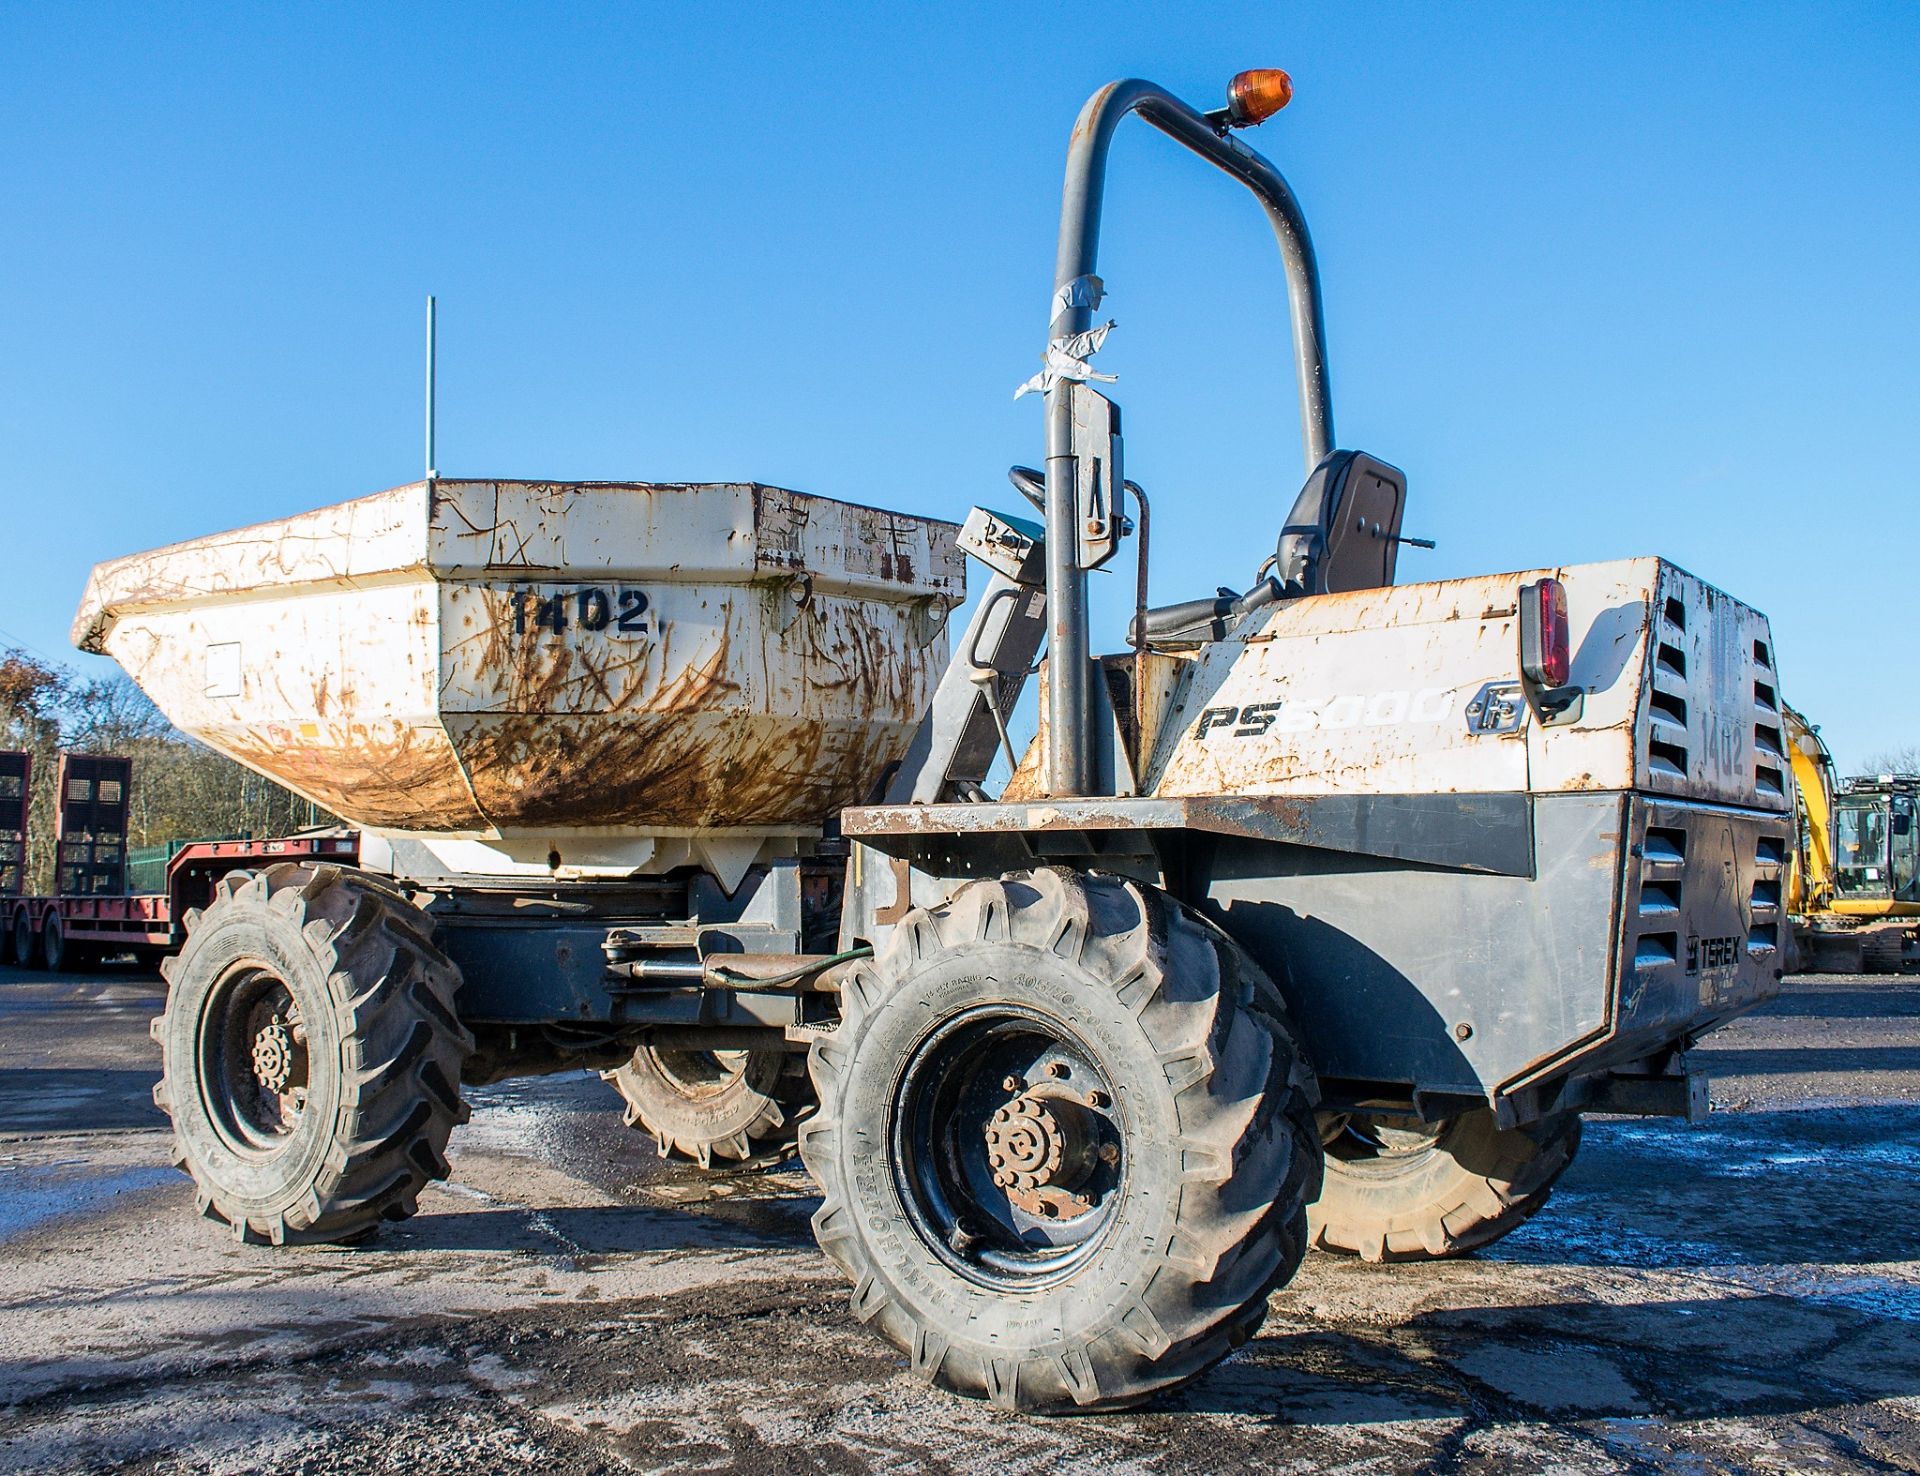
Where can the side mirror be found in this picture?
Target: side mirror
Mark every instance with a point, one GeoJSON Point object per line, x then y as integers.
{"type": "Point", "coordinates": [1099, 522]}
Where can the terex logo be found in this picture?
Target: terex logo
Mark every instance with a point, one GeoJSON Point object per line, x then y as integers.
{"type": "Point", "coordinates": [1709, 954]}
{"type": "Point", "coordinates": [1347, 710]}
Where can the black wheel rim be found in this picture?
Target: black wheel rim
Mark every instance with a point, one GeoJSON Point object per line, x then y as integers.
{"type": "Point", "coordinates": [1009, 1150]}
{"type": "Point", "coordinates": [253, 1061]}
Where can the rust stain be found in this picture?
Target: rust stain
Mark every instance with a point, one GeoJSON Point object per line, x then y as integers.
{"type": "Point", "coordinates": [387, 774]}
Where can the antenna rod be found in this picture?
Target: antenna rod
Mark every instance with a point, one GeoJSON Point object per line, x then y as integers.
{"type": "Point", "coordinates": [432, 472]}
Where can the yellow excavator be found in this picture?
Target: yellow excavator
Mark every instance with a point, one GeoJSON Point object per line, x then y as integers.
{"type": "Point", "coordinates": [1853, 882]}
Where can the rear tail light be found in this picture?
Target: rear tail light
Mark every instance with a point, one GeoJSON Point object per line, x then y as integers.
{"type": "Point", "coordinates": [1546, 646]}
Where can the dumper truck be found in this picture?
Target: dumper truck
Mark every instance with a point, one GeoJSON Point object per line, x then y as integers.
{"type": "Point", "coordinates": [1317, 911]}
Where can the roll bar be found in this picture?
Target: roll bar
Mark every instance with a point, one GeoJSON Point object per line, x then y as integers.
{"type": "Point", "coordinates": [1070, 747]}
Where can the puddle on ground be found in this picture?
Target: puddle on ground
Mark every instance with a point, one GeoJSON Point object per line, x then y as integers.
{"type": "Point", "coordinates": [34, 1195]}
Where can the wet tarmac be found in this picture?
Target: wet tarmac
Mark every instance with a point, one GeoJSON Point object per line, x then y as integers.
{"type": "Point", "coordinates": [1739, 1296]}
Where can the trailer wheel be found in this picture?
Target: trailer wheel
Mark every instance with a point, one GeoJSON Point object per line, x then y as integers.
{"type": "Point", "coordinates": [311, 1055]}
{"type": "Point", "coordinates": [57, 955]}
{"type": "Point", "coordinates": [703, 1105]}
{"type": "Point", "coordinates": [1065, 1142]}
{"type": "Point", "coordinates": [1398, 1189]}
{"type": "Point", "coordinates": [26, 949]}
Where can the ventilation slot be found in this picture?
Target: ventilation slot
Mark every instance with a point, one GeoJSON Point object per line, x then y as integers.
{"type": "Point", "coordinates": [1656, 949]}
{"type": "Point", "coordinates": [1767, 740]}
{"type": "Point", "coordinates": [1763, 697]}
{"type": "Point", "coordinates": [1769, 780]}
{"type": "Point", "coordinates": [1676, 613]}
{"type": "Point", "coordinates": [1659, 898]}
{"type": "Point", "coordinates": [1670, 709]}
{"type": "Point", "coordinates": [1669, 759]}
{"type": "Point", "coordinates": [1664, 845]}
{"type": "Point", "coordinates": [1762, 656]}
{"type": "Point", "coordinates": [1672, 661]}
{"type": "Point", "coordinates": [1763, 910]}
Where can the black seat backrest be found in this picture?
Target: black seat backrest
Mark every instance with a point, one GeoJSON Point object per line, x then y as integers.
{"type": "Point", "coordinates": [1344, 530]}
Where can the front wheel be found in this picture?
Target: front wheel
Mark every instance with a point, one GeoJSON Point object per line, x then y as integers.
{"type": "Point", "coordinates": [310, 1054]}
{"type": "Point", "coordinates": [26, 950]}
{"type": "Point", "coordinates": [706, 1105]}
{"type": "Point", "coordinates": [1399, 1189]}
{"type": "Point", "coordinates": [1064, 1142]}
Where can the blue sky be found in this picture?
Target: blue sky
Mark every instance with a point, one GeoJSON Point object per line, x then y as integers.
{"type": "Point", "coordinates": [1606, 281]}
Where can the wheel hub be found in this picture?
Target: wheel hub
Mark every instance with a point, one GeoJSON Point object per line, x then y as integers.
{"type": "Point", "coordinates": [1041, 1149]}
{"type": "Point", "coordinates": [276, 1055]}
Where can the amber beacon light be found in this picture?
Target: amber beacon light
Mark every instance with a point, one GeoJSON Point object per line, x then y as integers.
{"type": "Point", "coordinates": [1253, 97]}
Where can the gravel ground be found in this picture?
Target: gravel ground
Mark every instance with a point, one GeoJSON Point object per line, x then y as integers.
{"type": "Point", "coordinates": [1741, 1296]}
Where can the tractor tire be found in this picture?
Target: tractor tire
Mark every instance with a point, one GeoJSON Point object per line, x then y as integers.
{"type": "Point", "coordinates": [1065, 1142]}
{"type": "Point", "coordinates": [311, 1055]}
{"type": "Point", "coordinates": [1399, 1190]}
{"type": "Point", "coordinates": [702, 1105]}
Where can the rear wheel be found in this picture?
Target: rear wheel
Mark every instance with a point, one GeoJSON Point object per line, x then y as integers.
{"type": "Point", "coordinates": [707, 1105]}
{"type": "Point", "coordinates": [1064, 1142]}
{"type": "Point", "coordinates": [1399, 1189]}
{"type": "Point", "coordinates": [311, 1055]}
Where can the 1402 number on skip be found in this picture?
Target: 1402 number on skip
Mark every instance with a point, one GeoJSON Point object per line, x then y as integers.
{"type": "Point", "coordinates": [554, 612]}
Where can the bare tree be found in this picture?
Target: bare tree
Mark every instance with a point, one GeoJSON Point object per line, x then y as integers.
{"type": "Point", "coordinates": [1903, 760]}
{"type": "Point", "coordinates": [111, 715]}
{"type": "Point", "coordinates": [32, 692]}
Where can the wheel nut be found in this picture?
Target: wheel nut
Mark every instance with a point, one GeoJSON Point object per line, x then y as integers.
{"type": "Point", "coordinates": [1013, 1084]}
{"type": "Point", "coordinates": [1099, 1099]}
{"type": "Point", "coordinates": [1058, 1070]}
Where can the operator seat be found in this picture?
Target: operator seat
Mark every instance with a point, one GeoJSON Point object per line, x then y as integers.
{"type": "Point", "coordinates": [1344, 530]}
{"type": "Point", "coordinates": [1343, 533]}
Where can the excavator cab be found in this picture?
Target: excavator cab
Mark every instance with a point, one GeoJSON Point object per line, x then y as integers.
{"type": "Point", "coordinates": [1877, 844]}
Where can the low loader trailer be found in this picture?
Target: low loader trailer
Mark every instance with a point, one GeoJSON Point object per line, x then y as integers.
{"type": "Point", "coordinates": [95, 912]}
{"type": "Point", "coordinates": [1316, 913]}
